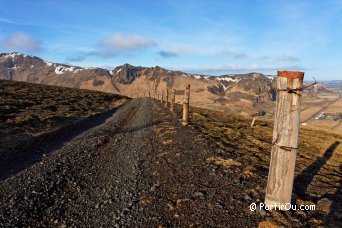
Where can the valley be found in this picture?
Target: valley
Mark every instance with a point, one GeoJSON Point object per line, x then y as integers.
{"type": "Point", "coordinates": [170, 114]}
{"type": "Point", "coordinates": [249, 94]}
{"type": "Point", "coordinates": [133, 163]}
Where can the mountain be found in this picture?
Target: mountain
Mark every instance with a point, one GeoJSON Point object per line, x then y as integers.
{"type": "Point", "coordinates": [19, 67]}
{"type": "Point", "coordinates": [240, 93]}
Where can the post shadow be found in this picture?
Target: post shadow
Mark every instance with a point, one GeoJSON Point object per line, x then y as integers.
{"type": "Point", "coordinates": [303, 180]}
{"type": "Point", "coordinates": [336, 206]}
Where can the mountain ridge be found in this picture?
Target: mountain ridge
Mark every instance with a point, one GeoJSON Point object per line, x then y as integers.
{"type": "Point", "coordinates": [249, 93]}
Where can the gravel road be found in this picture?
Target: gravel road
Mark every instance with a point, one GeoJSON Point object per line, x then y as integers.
{"type": "Point", "coordinates": [140, 168]}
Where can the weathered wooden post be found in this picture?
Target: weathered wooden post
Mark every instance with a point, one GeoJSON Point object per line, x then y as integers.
{"type": "Point", "coordinates": [186, 104]}
{"type": "Point", "coordinates": [167, 97]}
{"type": "Point", "coordinates": [285, 138]}
{"type": "Point", "coordinates": [173, 99]}
{"type": "Point", "coordinates": [162, 96]}
{"type": "Point", "coordinates": [157, 95]}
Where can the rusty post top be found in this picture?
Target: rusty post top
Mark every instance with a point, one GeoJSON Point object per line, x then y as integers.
{"type": "Point", "coordinates": [291, 74]}
{"type": "Point", "coordinates": [187, 86]}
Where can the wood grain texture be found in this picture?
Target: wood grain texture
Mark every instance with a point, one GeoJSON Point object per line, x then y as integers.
{"type": "Point", "coordinates": [173, 99]}
{"type": "Point", "coordinates": [186, 104]}
{"type": "Point", "coordinates": [167, 97]}
{"type": "Point", "coordinates": [285, 139]}
{"type": "Point", "coordinates": [252, 124]}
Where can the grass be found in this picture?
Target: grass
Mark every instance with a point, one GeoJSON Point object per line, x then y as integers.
{"type": "Point", "coordinates": [29, 110]}
{"type": "Point", "coordinates": [318, 170]}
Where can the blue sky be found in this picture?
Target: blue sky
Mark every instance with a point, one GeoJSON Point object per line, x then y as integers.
{"type": "Point", "coordinates": [209, 37]}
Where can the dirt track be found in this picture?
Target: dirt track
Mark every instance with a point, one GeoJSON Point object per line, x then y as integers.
{"type": "Point", "coordinates": [139, 168]}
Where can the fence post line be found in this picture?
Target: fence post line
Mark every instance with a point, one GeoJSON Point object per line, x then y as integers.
{"type": "Point", "coordinates": [173, 99]}
{"type": "Point", "coordinates": [162, 96]}
{"type": "Point", "coordinates": [186, 105]}
{"type": "Point", "coordinates": [167, 97]}
{"type": "Point", "coordinates": [285, 138]}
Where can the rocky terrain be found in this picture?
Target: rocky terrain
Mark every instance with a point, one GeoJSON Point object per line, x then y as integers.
{"type": "Point", "coordinates": [30, 113]}
{"type": "Point", "coordinates": [136, 165]}
{"type": "Point", "coordinates": [244, 93]}
{"type": "Point", "coordinates": [251, 94]}
{"type": "Point", "coordinates": [318, 166]}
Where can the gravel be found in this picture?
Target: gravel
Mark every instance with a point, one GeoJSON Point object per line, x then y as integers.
{"type": "Point", "coordinates": [140, 168]}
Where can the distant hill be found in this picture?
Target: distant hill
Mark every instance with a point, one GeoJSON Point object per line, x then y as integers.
{"type": "Point", "coordinates": [334, 84]}
{"type": "Point", "coordinates": [250, 93]}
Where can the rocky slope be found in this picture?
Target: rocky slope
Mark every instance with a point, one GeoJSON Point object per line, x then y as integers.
{"type": "Point", "coordinates": [19, 67]}
{"type": "Point", "coordinates": [142, 168]}
{"type": "Point", "coordinates": [244, 93]}
{"type": "Point", "coordinates": [251, 93]}
{"type": "Point", "coordinates": [30, 114]}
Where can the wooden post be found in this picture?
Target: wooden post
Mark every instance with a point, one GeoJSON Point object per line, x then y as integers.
{"type": "Point", "coordinates": [167, 97]}
{"type": "Point", "coordinates": [186, 104]}
{"type": "Point", "coordinates": [157, 95]}
{"type": "Point", "coordinates": [149, 94]}
{"type": "Point", "coordinates": [285, 138]}
{"type": "Point", "coordinates": [162, 97]}
{"type": "Point", "coordinates": [173, 99]}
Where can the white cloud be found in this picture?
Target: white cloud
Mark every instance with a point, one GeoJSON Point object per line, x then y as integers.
{"type": "Point", "coordinates": [20, 41]}
{"type": "Point", "coordinates": [15, 22]}
{"type": "Point", "coordinates": [239, 68]}
{"type": "Point", "coordinates": [119, 43]}
{"type": "Point", "coordinates": [287, 58]}
{"type": "Point", "coordinates": [175, 52]}
{"type": "Point", "coordinates": [232, 54]}
{"type": "Point", "coordinates": [280, 58]}
{"type": "Point", "coordinates": [167, 54]}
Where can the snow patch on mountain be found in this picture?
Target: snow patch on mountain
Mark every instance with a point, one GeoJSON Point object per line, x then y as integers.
{"type": "Point", "coordinates": [63, 69]}
{"type": "Point", "coordinates": [224, 87]}
{"type": "Point", "coordinates": [228, 79]}
{"type": "Point", "coordinates": [13, 55]}
{"type": "Point", "coordinates": [78, 70]}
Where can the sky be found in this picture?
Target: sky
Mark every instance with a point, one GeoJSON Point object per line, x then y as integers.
{"type": "Point", "coordinates": [196, 36]}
